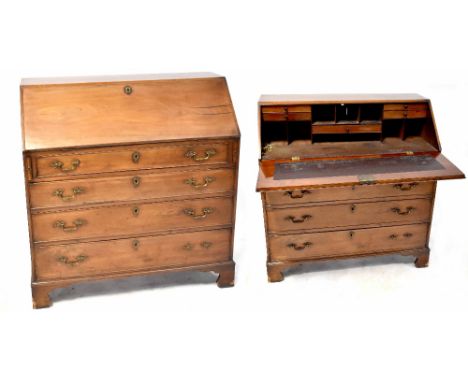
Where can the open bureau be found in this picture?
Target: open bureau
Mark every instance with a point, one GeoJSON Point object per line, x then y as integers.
{"type": "Point", "coordinates": [347, 175]}
{"type": "Point", "coordinates": [128, 175]}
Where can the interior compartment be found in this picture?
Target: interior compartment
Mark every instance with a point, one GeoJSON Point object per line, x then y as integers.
{"type": "Point", "coordinates": [299, 131]}
{"type": "Point", "coordinates": [371, 112]}
{"type": "Point", "coordinates": [347, 113]}
{"type": "Point", "coordinates": [392, 128]}
{"type": "Point", "coordinates": [346, 137]}
{"type": "Point", "coordinates": [323, 113]}
{"type": "Point", "coordinates": [413, 128]}
{"type": "Point", "coordinates": [274, 132]}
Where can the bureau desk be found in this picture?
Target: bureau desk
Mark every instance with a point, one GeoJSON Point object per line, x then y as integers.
{"type": "Point", "coordinates": [128, 175]}
{"type": "Point", "coordinates": [346, 176]}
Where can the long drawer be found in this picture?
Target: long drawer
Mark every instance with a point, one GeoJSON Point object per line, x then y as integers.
{"type": "Point", "coordinates": [128, 219]}
{"type": "Point", "coordinates": [277, 198]}
{"type": "Point", "coordinates": [104, 257]}
{"type": "Point", "coordinates": [128, 187]}
{"type": "Point", "coordinates": [348, 214]}
{"type": "Point", "coordinates": [96, 161]}
{"type": "Point", "coordinates": [338, 243]}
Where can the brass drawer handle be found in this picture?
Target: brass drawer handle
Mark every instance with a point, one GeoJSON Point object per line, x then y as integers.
{"type": "Point", "coordinates": [300, 247]}
{"type": "Point", "coordinates": [299, 195]}
{"type": "Point", "coordinates": [203, 244]}
{"type": "Point", "coordinates": [206, 181]}
{"type": "Point", "coordinates": [72, 228]}
{"type": "Point", "coordinates": [71, 263]}
{"type": "Point", "coordinates": [405, 187]}
{"type": "Point", "coordinates": [193, 155]}
{"type": "Point", "coordinates": [205, 212]}
{"type": "Point", "coordinates": [60, 193]}
{"type": "Point", "coordinates": [400, 212]}
{"type": "Point", "coordinates": [394, 236]}
{"type": "Point", "coordinates": [59, 165]}
{"type": "Point", "coordinates": [295, 220]}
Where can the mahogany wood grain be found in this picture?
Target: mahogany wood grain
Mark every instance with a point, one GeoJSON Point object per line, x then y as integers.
{"type": "Point", "coordinates": [317, 195]}
{"type": "Point", "coordinates": [123, 171]}
{"type": "Point", "coordinates": [385, 239]}
{"type": "Point", "coordinates": [55, 262]}
{"type": "Point", "coordinates": [131, 219]}
{"type": "Point", "coordinates": [131, 187]}
{"type": "Point", "coordinates": [57, 115]}
{"type": "Point", "coordinates": [348, 214]}
{"type": "Point", "coordinates": [99, 161]}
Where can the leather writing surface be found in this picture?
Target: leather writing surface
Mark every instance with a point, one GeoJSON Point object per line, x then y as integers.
{"type": "Point", "coordinates": [370, 166]}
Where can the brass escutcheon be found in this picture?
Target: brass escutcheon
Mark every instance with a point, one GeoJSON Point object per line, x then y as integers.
{"type": "Point", "coordinates": [136, 180]}
{"type": "Point", "coordinates": [136, 211]}
{"type": "Point", "coordinates": [136, 156]}
{"type": "Point", "coordinates": [135, 244]}
{"type": "Point", "coordinates": [127, 89]}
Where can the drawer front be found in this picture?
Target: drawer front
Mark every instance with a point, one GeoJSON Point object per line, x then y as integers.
{"type": "Point", "coordinates": [131, 158]}
{"type": "Point", "coordinates": [338, 243]}
{"type": "Point", "coordinates": [400, 114]}
{"type": "Point", "coordinates": [345, 129]}
{"type": "Point", "coordinates": [349, 214]}
{"type": "Point", "coordinates": [130, 187]}
{"type": "Point", "coordinates": [278, 198]}
{"type": "Point", "coordinates": [104, 257]}
{"type": "Point", "coordinates": [405, 106]}
{"type": "Point", "coordinates": [138, 218]}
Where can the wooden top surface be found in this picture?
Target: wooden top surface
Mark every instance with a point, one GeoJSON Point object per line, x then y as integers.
{"type": "Point", "coordinates": [270, 99]}
{"type": "Point", "coordinates": [114, 78]}
{"type": "Point", "coordinates": [76, 112]}
{"type": "Point", "coordinates": [379, 173]}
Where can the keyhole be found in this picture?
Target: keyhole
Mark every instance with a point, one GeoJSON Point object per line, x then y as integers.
{"type": "Point", "coordinates": [136, 211]}
{"type": "Point", "coordinates": [135, 244]}
{"type": "Point", "coordinates": [128, 90]}
{"type": "Point", "coordinates": [136, 157]}
{"type": "Point", "coordinates": [136, 180]}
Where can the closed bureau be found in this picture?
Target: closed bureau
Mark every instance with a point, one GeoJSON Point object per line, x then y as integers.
{"type": "Point", "coordinates": [128, 175]}
{"type": "Point", "coordinates": [348, 176]}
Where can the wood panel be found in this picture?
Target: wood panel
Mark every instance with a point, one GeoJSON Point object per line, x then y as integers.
{"type": "Point", "coordinates": [104, 257]}
{"type": "Point", "coordinates": [131, 219]}
{"type": "Point", "coordinates": [130, 187]}
{"type": "Point", "coordinates": [349, 214]}
{"type": "Point", "coordinates": [398, 190]}
{"type": "Point", "coordinates": [98, 161]}
{"type": "Point", "coordinates": [102, 113]}
{"type": "Point", "coordinates": [371, 240]}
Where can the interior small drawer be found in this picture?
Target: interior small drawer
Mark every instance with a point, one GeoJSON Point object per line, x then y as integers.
{"type": "Point", "coordinates": [134, 253]}
{"type": "Point", "coordinates": [330, 194]}
{"type": "Point", "coordinates": [96, 161]}
{"type": "Point", "coordinates": [348, 242]}
{"type": "Point", "coordinates": [401, 114]}
{"type": "Point", "coordinates": [348, 215]}
{"type": "Point", "coordinates": [140, 186]}
{"type": "Point", "coordinates": [405, 106]}
{"type": "Point", "coordinates": [346, 129]}
{"type": "Point", "coordinates": [131, 219]}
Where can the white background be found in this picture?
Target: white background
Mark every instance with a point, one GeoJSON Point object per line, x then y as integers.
{"type": "Point", "coordinates": [360, 320]}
